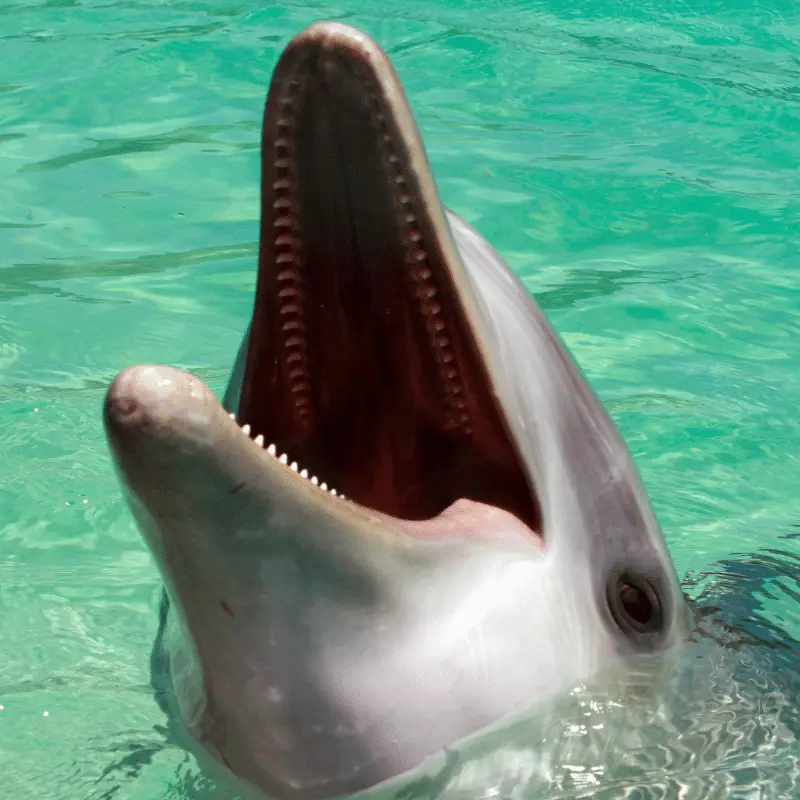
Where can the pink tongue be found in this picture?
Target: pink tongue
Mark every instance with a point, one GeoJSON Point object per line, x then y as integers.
{"type": "Point", "coordinates": [468, 518]}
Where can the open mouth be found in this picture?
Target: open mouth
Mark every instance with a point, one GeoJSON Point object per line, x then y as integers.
{"type": "Point", "coordinates": [363, 362]}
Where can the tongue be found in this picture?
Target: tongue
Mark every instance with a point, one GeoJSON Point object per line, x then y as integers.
{"type": "Point", "coordinates": [469, 519]}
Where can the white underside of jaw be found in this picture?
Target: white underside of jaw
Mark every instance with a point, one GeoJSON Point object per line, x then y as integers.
{"type": "Point", "coordinates": [284, 459]}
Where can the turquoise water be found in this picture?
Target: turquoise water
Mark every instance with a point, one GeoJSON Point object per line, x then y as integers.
{"type": "Point", "coordinates": [636, 164]}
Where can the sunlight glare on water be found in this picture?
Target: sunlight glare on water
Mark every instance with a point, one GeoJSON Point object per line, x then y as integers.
{"type": "Point", "coordinates": [636, 165]}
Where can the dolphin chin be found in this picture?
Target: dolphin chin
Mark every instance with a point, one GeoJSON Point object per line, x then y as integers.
{"type": "Point", "coordinates": [494, 544]}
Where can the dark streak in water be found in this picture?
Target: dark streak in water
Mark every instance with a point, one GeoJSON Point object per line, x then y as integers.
{"type": "Point", "coordinates": [106, 148]}
{"type": "Point", "coordinates": [28, 279]}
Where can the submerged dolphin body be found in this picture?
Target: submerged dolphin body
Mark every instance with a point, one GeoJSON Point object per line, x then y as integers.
{"type": "Point", "coordinates": [495, 545]}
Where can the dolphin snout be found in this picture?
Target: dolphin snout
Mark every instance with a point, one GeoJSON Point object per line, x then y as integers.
{"type": "Point", "coordinates": [159, 403]}
{"type": "Point", "coordinates": [123, 404]}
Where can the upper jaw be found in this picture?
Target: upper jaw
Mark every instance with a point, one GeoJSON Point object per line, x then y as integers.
{"type": "Point", "coordinates": [365, 359]}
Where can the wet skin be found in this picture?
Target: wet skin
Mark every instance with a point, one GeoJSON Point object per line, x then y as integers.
{"type": "Point", "coordinates": [494, 544]}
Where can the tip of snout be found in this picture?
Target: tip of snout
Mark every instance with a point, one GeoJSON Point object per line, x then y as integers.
{"type": "Point", "coordinates": [159, 402]}
{"type": "Point", "coordinates": [334, 36]}
{"type": "Point", "coordinates": [333, 48]}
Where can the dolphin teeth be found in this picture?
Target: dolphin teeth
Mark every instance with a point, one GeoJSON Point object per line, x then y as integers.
{"type": "Point", "coordinates": [232, 416]}
{"type": "Point", "coordinates": [284, 459]}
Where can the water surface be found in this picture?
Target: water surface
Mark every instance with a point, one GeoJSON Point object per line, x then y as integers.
{"type": "Point", "coordinates": [635, 163]}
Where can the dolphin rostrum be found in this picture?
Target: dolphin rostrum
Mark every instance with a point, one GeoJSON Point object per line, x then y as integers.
{"type": "Point", "coordinates": [486, 541]}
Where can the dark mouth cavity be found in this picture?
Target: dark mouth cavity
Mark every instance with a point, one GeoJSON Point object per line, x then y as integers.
{"type": "Point", "coordinates": [362, 362]}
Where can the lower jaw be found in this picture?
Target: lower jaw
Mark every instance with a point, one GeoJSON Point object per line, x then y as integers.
{"type": "Point", "coordinates": [463, 518]}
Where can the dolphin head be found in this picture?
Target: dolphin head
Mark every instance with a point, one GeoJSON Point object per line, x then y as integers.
{"type": "Point", "coordinates": [411, 516]}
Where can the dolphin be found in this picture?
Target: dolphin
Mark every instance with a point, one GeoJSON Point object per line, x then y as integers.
{"type": "Point", "coordinates": [411, 517]}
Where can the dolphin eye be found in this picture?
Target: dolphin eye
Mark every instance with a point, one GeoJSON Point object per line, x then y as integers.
{"type": "Point", "coordinates": [635, 606]}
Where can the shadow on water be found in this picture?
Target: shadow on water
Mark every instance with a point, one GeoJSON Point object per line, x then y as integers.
{"type": "Point", "coordinates": [733, 600]}
{"type": "Point", "coordinates": [22, 280]}
{"type": "Point", "coordinates": [578, 284]}
{"type": "Point", "coordinates": [110, 148]}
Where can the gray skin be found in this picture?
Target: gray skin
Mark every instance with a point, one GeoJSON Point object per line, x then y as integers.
{"type": "Point", "coordinates": [495, 545]}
